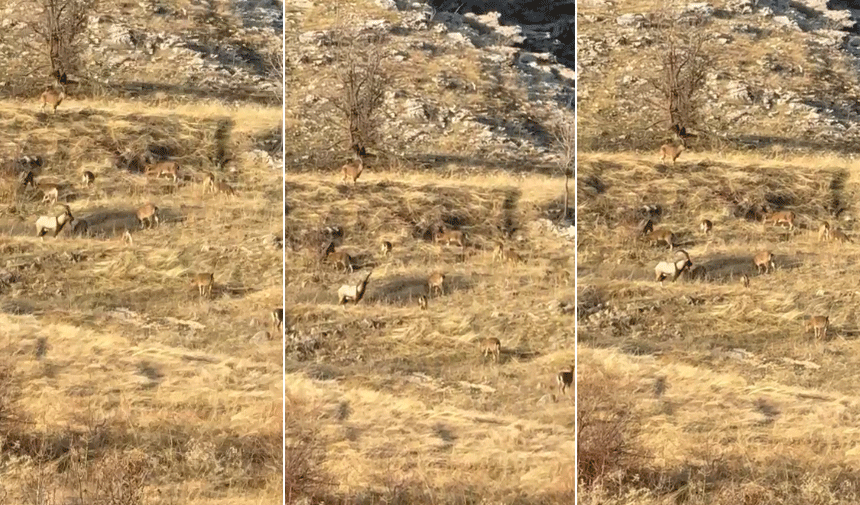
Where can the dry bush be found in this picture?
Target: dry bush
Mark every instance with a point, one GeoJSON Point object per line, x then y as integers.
{"type": "Point", "coordinates": [10, 417]}
{"type": "Point", "coordinates": [606, 435]}
{"type": "Point", "coordinates": [685, 60]}
{"type": "Point", "coordinates": [301, 473]}
{"type": "Point", "coordinates": [564, 133]}
{"type": "Point", "coordinates": [363, 81]}
{"type": "Point", "coordinates": [59, 25]}
{"type": "Point", "coordinates": [303, 454]}
{"type": "Point", "coordinates": [275, 72]}
{"type": "Point", "coordinates": [118, 479]}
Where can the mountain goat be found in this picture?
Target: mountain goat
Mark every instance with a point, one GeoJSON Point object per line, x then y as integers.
{"type": "Point", "coordinates": [666, 269]}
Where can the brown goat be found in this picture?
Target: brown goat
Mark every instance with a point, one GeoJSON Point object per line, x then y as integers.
{"type": "Point", "coordinates": [53, 98]}
{"type": "Point", "coordinates": [168, 168]}
{"type": "Point", "coordinates": [565, 379]}
{"type": "Point", "coordinates": [278, 318]}
{"type": "Point", "coordinates": [148, 214]}
{"type": "Point", "coordinates": [223, 187]}
{"type": "Point", "coordinates": [436, 281]}
{"type": "Point", "coordinates": [764, 261]}
{"type": "Point", "coordinates": [824, 232]}
{"type": "Point", "coordinates": [448, 237]}
{"type": "Point", "coordinates": [839, 236]}
{"type": "Point", "coordinates": [204, 282]}
{"type": "Point", "coordinates": [818, 324]}
{"type": "Point", "coordinates": [670, 151]}
{"type": "Point", "coordinates": [341, 259]}
{"type": "Point", "coordinates": [781, 217]}
{"type": "Point", "coordinates": [506, 254]}
{"type": "Point", "coordinates": [491, 345]}
{"type": "Point", "coordinates": [663, 235]}
{"type": "Point", "coordinates": [352, 170]}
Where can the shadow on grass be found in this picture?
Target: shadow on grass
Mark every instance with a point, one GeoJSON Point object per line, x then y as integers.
{"type": "Point", "coordinates": [730, 268]}
{"type": "Point", "coordinates": [521, 355]}
{"type": "Point", "coordinates": [114, 222]}
{"type": "Point", "coordinates": [438, 162]}
{"type": "Point", "coordinates": [406, 290]}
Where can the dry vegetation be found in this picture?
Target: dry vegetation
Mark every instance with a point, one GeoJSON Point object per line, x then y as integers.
{"type": "Point", "coordinates": [455, 80]}
{"type": "Point", "coordinates": [709, 392]}
{"type": "Point", "coordinates": [619, 107]}
{"type": "Point", "coordinates": [387, 403]}
{"type": "Point", "coordinates": [121, 385]}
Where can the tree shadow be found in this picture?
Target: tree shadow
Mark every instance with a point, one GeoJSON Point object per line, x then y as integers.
{"type": "Point", "coordinates": [407, 290]}
{"type": "Point", "coordinates": [846, 332]}
{"type": "Point", "coordinates": [521, 355]}
{"type": "Point", "coordinates": [729, 268]}
{"type": "Point", "coordinates": [142, 89]}
{"type": "Point", "coordinates": [509, 205]}
{"type": "Point", "coordinates": [233, 289]}
{"type": "Point", "coordinates": [114, 222]}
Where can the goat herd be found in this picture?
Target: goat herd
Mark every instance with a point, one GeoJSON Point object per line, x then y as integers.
{"type": "Point", "coordinates": [22, 172]}
{"type": "Point", "coordinates": [763, 261]}
{"type": "Point", "coordinates": [435, 283]}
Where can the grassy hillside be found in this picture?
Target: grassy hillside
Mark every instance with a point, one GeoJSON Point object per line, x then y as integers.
{"type": "Point", "coordinates": [707, 391]}
{"type": "Point", "coordinates": [119, 383]}
{"type": "Point", "coordinates": [388, 403]}
{"type": "Point", "coordinates": [119, 380]}
{"type": "Point", "coordinates": [398, 404]}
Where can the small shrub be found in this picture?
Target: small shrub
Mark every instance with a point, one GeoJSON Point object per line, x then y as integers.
{"type": "Point", "coordinates": [606, 435]}
{"type": "Point", "coordinates": [303, 453]}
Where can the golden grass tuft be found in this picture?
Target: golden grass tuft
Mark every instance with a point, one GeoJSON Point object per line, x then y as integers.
{"type": "Point", "coordinates": [731, 400]}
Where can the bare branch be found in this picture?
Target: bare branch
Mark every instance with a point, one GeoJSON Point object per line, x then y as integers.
{"type": "Point", "coordinates": [363, 84]}
{"type": "Point", "coordinates": [682, 76]}
{"type": "Point", "coordinates": [60, 24]}
{"type": "Point", "coordinates": [564, 134]}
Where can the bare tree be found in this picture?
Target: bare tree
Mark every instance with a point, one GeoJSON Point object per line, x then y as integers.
{"type": "Point", "coordinates": [685, 60]}
{"type": "Point", "coordinates": [59, 24]}
{"type": "Point", "coordinates": [275, 72]}
{"type": "Point", "coordinates": [363, 82]}
{"type": "Point", "coordinates": [564, 134]}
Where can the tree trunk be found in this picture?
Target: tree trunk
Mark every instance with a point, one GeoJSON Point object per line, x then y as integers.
{"type": "Point", "coordinates": [566, 212]}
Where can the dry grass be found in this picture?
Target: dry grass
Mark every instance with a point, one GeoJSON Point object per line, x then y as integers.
{"type": "Point", "coordinates": [732, 401]}
{"type": "Point", "coordinates": [131, 386]}
{"type": "Point", "coordinates": [405, 409]}
{"type": "Point", "coordinates": [327, 15]}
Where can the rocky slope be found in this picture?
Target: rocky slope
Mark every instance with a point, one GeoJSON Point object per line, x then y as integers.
{"type": "Point", "coordinates": [464, 85]}
{"type": "Point", "coordinates": [785, 74]}
{"type": "Point", "coordinates": [199, 49]}
{"type": "Point", "coordinates": [546, 27]}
